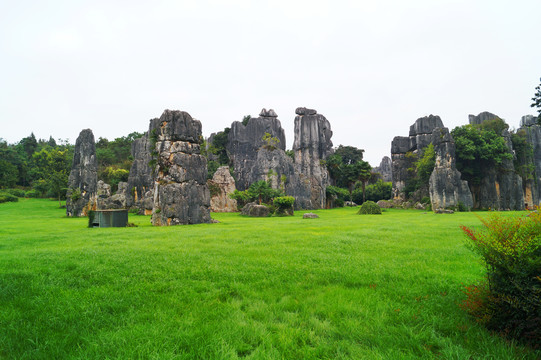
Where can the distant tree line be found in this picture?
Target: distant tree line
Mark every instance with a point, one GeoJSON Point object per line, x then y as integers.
{"type": "Point", "coordinates": [40, 168]}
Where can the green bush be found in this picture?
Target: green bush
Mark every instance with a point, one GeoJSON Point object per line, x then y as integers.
{"type": "Point", "coordinates": [6, 197]}
{"type": "Point", "coordinates": [511, 249]}
{"type": "Point", "coordinates": [14, 192]}
{"type": "Point", "coordinates": [284, 205]}
{"type": "Point", "coordinates": [32, 193]}
{"type": "Point", "coordinates": [369, 207]}
{"type": "Point", "coordinates": [338, 195]}
{"type": "Point", "coordinates": [425, 200]}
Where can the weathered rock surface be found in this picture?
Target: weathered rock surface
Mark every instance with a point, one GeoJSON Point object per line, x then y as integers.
{"type": "Point", "coordinates": [402, 149]}
{"type": "Point", "coordinates": [479, 119]}
{"type": "Point", "coordinates": [447, 189]}
{"type": "Point", "coordinates": [532, 183]}
{"type": "Point", "coordinates": [312, 145]}
{"type": "Point", "coordinates": [255, 210]}
{"type": "Point", "coordinates": [310, 216]}
{"type": "Point", "coordinates": [244, 142]}
{"type": "Point", "coordinates": [385, 169]}
{"type": "Point", "coordinates": [141, 178]}
{"type": "Point", "coordinates": [107, 201]}
{"type": "Point", "coordinates": [83, 178]}
{"type": "Point", "coordinates": [502, 188]}
{"type": "Point", "coordinates": [181, 194]}
{"type": "Point", "coordinates": [221, 185]}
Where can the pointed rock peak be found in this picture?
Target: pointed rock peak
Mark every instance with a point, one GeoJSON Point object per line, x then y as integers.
{"type": "Point", "coordinates": [271, 113]}
{"type": "Point", "coordinates": [263, 112]}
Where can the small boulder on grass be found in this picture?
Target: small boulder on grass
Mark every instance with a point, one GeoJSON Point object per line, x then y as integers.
{"type": "Point", "coordinates": [369, 207]}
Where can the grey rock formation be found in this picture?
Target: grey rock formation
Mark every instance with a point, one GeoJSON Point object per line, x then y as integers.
{"type": "Point", "coordinates": [106, 201]}
{"type": "Point", "coordinates": [385, 169]}
{"type": "Point", "coordinates": [141, 178]}
{"type": "Point", "coordinates": [83, 178]}
{"type": "Point", "coordinates": [532, 183]}
{"type": "Point", "coordinates": [304, 178]}
{"type": "Point", "coordinates": [255, 210]}
{"type": "Point", "coordinates": [312, 145]}
{"type": "Point", "coordinates": [310, 216]}
{"type": "Point", "coordinates": [181, 194]}
{"type": "Point", "coordinates": [305, 111]}
{"type": "Point", "coordinates": [479, 119]}
{"type": "Point", "coordinates": [244, 142]}
{"type": "Point", "coordinates": [221, 186]}
{"type": "Point", "coordinates": [447, 189]}
{"type": "Point", "coordinates": [502, 188]}
{"type": "Point", "coordinates": [402, 149]}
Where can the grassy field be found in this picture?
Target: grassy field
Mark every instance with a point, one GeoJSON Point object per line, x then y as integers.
{"type": "Point", "coordinates": [342, 286]}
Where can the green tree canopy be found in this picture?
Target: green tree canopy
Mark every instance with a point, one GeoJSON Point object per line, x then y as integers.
{"type": "Point", "coordinates": [537, 101]}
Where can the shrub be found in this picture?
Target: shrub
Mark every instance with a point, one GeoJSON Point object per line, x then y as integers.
{"type": "Point", "coordinates": [5, 197]}
{"type": "Point", "coordinates": [284, 205]}
{"type": "Point", "coordinates": [15, 192]}
{"type": "Point", "coordinates": [76, 194]}
{"type": "Point", "coordinates": [425, 200]}
{"type": "Point", "coordinates": [32, 193]}
{"type": "Point", "coordinates": [337, 194]}
{"type": "Point", "coordinates": [369, 207]}
{"type": "Point", "coordinates": [511, 250]}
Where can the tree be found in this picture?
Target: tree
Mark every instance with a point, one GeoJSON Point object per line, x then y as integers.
{"type": "Point", "coordinates": [349, 154]}
{"type": "Point", "coordinates": [537, 102]}
{"type": "Point", "coordinates": [364, 171]}
{"type": "Point", "coordinates": [425, 165]}
{"type": "Point", "coordinates": [478, 150]}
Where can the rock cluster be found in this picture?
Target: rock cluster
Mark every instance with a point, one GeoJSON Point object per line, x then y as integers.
{"type": "Point", "coordinates": [107, 201]}
{"type": "Point", "coordinates": [221, 186]}
{"type": "Point", "coordinates": [83, 177]}
{"type": "Point", "coordinates": [255, 159]}
{"type": "Point", "coordinates": [445, 186]}
{"type": "Point", "coordinates": [181, 194]}
{"type": "Point", "coordinates": [500, 188]}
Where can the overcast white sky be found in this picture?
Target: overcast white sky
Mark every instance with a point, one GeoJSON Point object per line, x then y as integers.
{"type": "Point", "coordinates": [371, 67]}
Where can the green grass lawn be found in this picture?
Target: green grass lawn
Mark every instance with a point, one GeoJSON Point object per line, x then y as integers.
{"type": "Point", "coordinates": [343, 286]}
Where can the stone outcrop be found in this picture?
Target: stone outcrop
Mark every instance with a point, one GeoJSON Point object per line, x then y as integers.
{"type": "Point", "coordinates": [404, 148]}
{"type": "Point", "coordinates": [385, 169]}
{"type": "Point", "coordinates": [254, 159]}
{"type": "Point", "coordinates": [479, 119]}
{"type": "Point", "coordinates": [532, 182]}
{"type": "Point", "coordinates": [106, 201]}
{"type": "Point", "coordinates": [141, 178]}
{"type": "Point", "coordinates": [447, 189]}
{"type": "Point", "coordinates": [83, 178]}
{"type": "Point", "coordinates": [181, 194]}
{"type": "Point", "coordinates": [312, 145]}
{"type": "Point", "coordinates": [244, 143]}
{"type": "Point", "coordinates": [221, 185]}
{"type": "Point", "coordinates": [255, 210]}
{"type": "Point", "coordinates": [500, 189]}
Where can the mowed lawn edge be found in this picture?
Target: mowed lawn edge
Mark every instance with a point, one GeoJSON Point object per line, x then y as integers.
{"type": "Point", "coordinates": [342, 286]}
